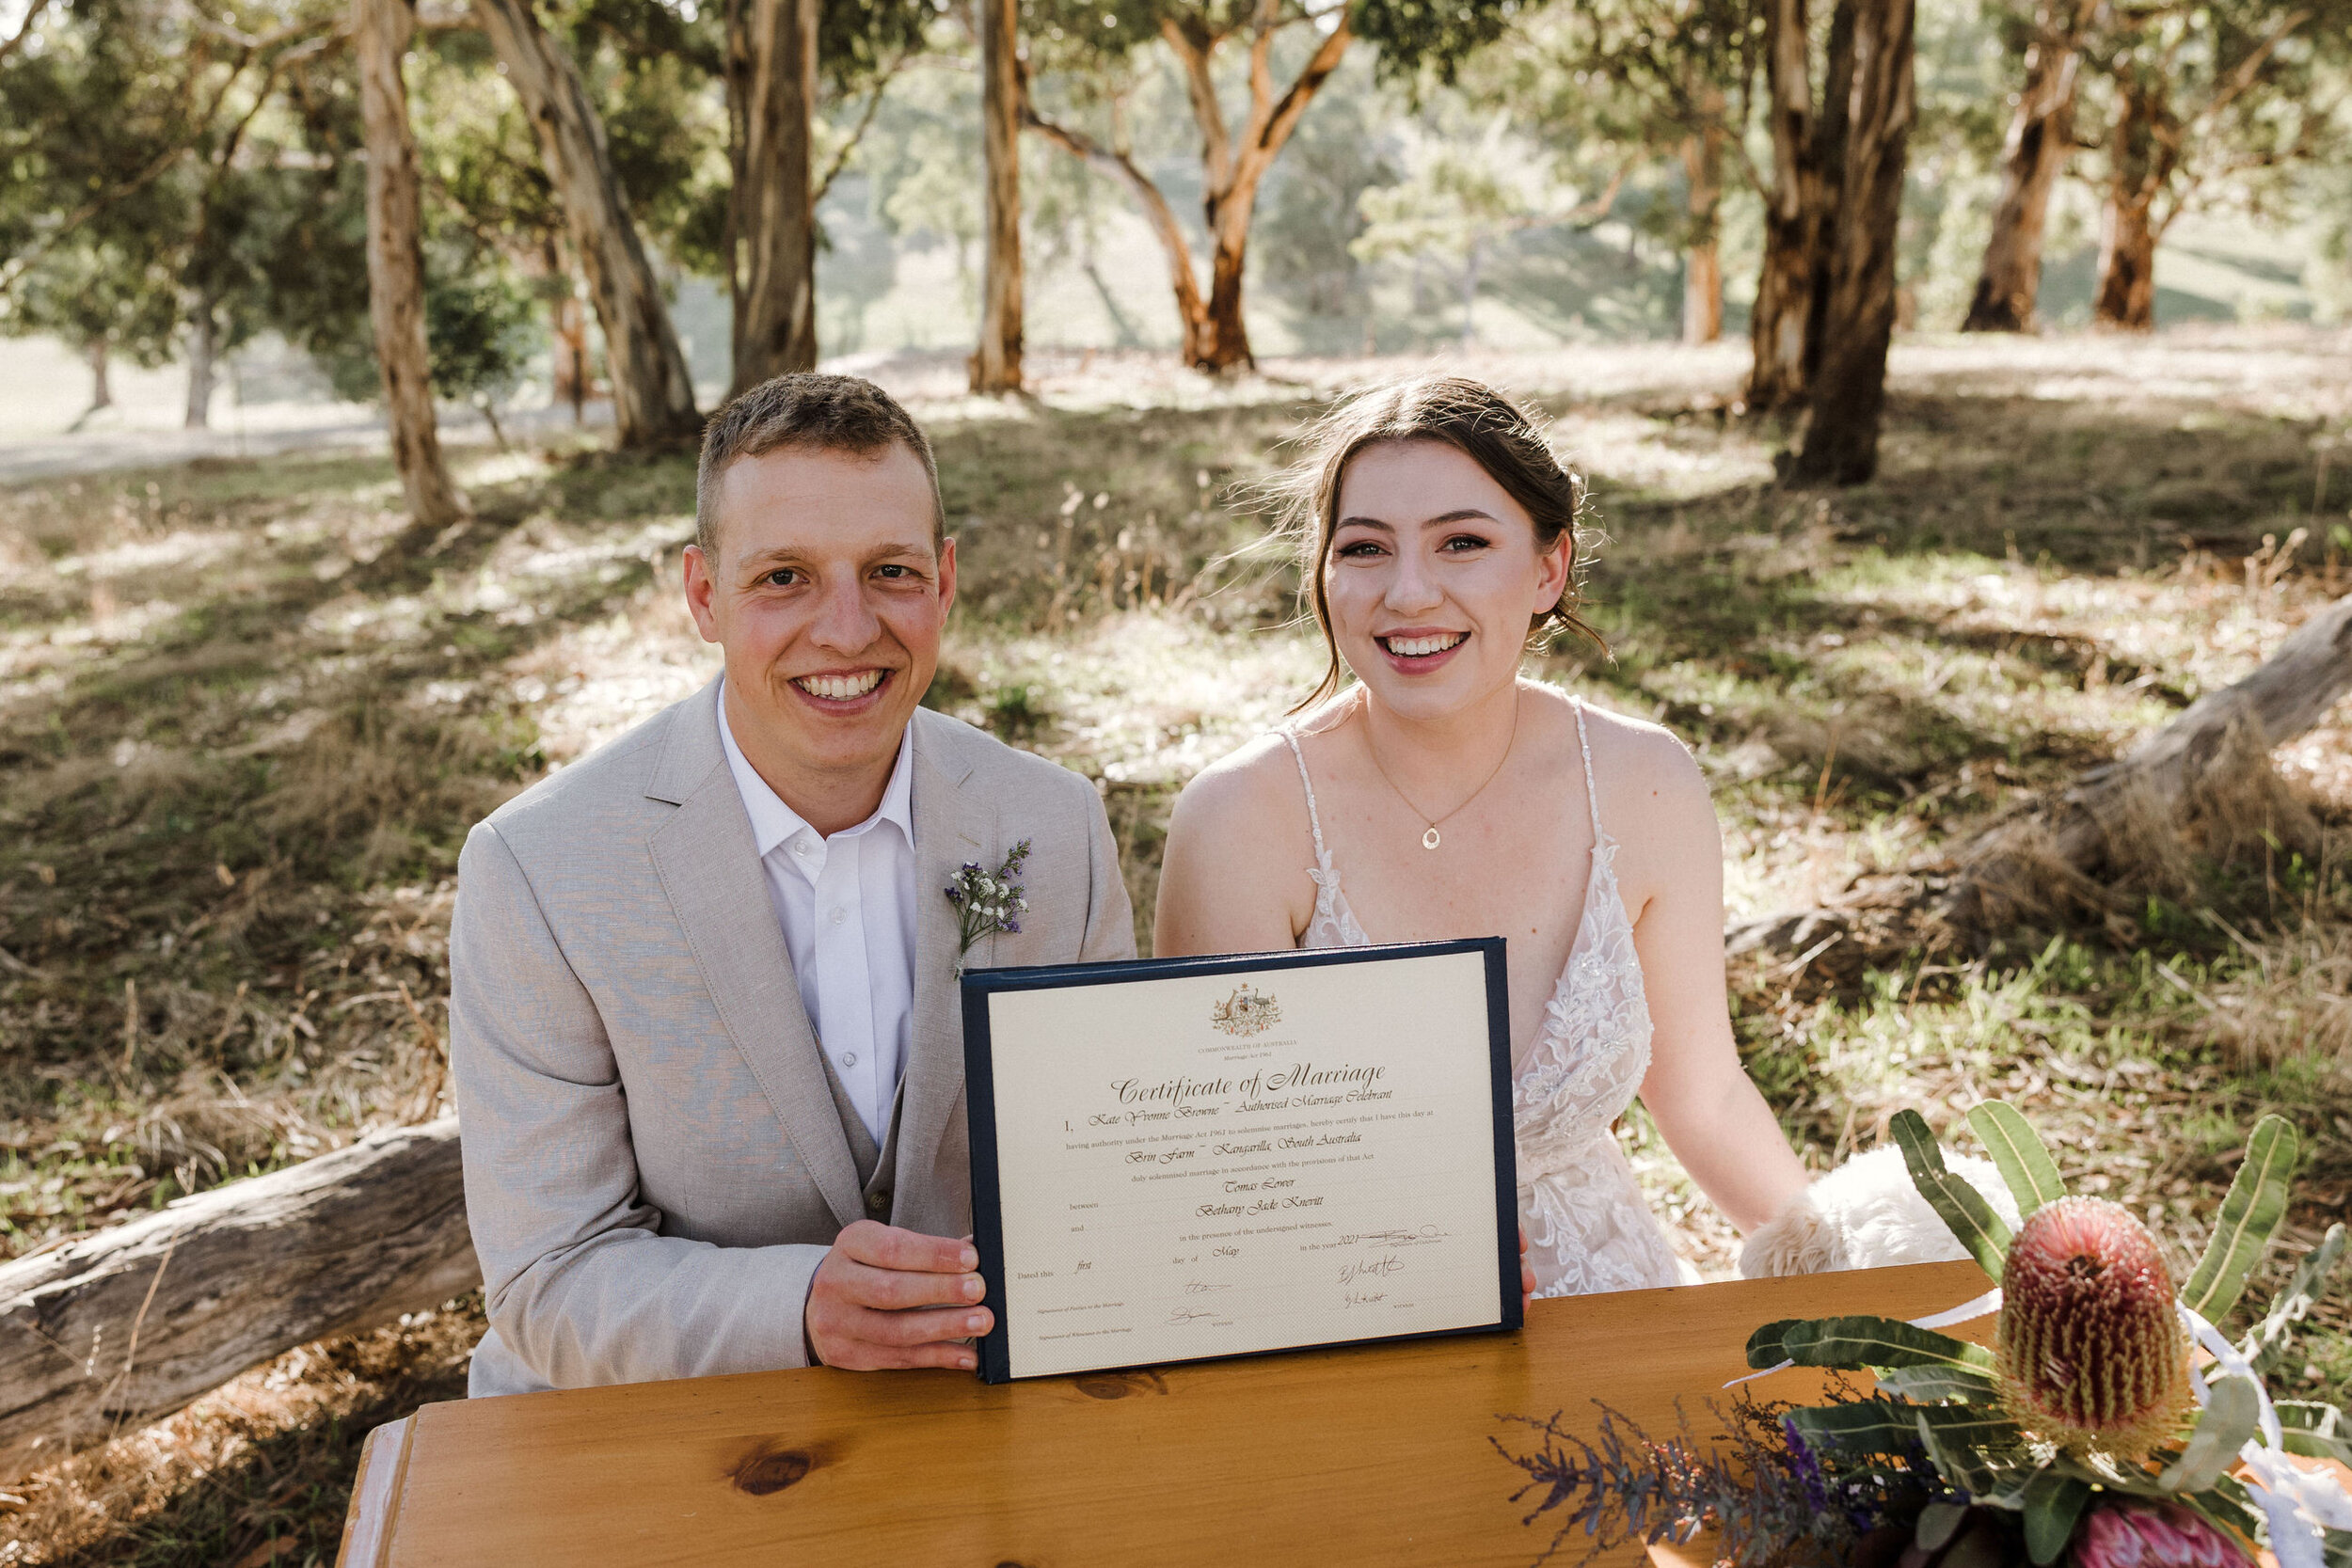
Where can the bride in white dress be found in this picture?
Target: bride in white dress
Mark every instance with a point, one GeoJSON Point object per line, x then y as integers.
{"type": "Point", "coordinates": [1440, 795]}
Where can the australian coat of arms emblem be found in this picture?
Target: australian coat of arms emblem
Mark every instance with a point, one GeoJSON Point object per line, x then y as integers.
{"type": "Point", "coordinates": [1245, 1012]}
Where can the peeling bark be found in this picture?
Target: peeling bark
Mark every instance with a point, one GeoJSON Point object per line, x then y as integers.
{"type": "Point", "coordinates": [771, 95]}
{"type": "Point", "coordinates": [1702, 257]}
{"type": "Point", "coordinates": [653, 397]}
{"type": "Point", "coordinates": [1857, 316]}
{"type": "Point", "coordinates": [997, 359]}
{"type": "Point", "coordinates": [380, 31]}
{"type": "Point", "coordinates": [2040, 136]}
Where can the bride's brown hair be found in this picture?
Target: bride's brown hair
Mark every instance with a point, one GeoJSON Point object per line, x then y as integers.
{"type": "Point", "coordinates": [1477, 422]}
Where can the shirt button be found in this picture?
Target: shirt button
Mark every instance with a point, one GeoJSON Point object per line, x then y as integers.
{"type": "Point", "coordinates": [848, 1058]}
{"type": "Point", "coordinates": [800, 847]}
{"type": "Point", "coordinates": [840, 915]}
{"type": "Point", "coordinates": [877, 1202]}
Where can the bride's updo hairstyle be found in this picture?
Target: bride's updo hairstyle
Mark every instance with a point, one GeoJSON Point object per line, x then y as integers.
{"type": "Point", "coordinates": [1475, 419]}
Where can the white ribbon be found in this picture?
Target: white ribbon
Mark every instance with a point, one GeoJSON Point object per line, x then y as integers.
{"type": "Point", "coordinates": [2297, 1502]}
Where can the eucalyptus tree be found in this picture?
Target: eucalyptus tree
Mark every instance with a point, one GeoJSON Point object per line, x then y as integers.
{"type": "Point", "coordinates": [653, 396]}
{"type": "Point", "coordinates": [779, 53]}
{"type": "Point", "coordinates": [2040, 141]}
{"type": "Point", "coordinates": [380, 34]}
{"type": "Point", "coordinates": [2197, 98]}
{"type": "Point", "coordinates": [1096, 51]}
{"type": "Point", "coordinates": [1648, 81]}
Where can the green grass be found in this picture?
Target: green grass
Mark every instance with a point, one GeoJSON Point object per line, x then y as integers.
{"type": "Point", "coordinates": [247, 716]}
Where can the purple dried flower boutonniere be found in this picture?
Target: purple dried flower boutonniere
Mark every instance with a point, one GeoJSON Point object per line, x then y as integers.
{"type": "Point", "coordinates": [987, 904]}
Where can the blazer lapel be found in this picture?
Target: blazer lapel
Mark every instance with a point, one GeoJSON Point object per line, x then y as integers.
{"type": "Point", "coordinates": [709, 866]}
{"type": "Point", "coordinates": [950, 828]}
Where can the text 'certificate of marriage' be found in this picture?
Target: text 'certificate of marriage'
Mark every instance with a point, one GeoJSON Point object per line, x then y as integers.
{"type": "Point", "coordinates": [1197, 1157]}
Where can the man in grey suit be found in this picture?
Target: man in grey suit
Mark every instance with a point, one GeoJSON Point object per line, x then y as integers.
{"type": "Point", "coordinates": [704, 1018]}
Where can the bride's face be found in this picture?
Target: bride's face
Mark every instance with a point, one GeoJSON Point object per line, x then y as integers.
{"type": "Point", "coordinates": [1433, 577]}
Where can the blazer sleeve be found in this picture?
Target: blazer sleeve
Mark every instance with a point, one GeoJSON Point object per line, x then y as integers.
{"type": "Point", "coordinates": [1110, 931]}
{"type": "Point", "coordinates": [581, 1285]}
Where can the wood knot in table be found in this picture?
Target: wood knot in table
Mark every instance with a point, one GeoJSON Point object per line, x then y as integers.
{"type": "Point", "coordinates": [1118, 1386]}
{"type": "Point", "coordinates": [775, 1470]}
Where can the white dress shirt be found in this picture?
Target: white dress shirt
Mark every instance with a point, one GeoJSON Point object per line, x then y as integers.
{"type": "Point", "coordinates": [847, 905]}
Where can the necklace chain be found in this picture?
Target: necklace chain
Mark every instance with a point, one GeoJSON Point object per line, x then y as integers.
{"type": "Point", "coordinates": [1430, 839]}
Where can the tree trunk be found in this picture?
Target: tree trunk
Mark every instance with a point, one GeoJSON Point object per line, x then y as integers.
{"type": "Point", "coordinates": [100, 392]}
{"type": "Point", "coordinates": [1702, 258]}
{"type": "Point", "coordinates": [1857, 322]}
{"type": "Point", "coordinates": [653, 396]}
{"type": "Point", "coordinates": [204, 345]}
{"type": "Point", "coordinates": [380, 30]}
{"type": "Point", "coordinates": [2139, 167]}
{"type": "Point", "coordinates": [1779, 327]}
{"type": "Point", "coordinates": [772, 94]}
{"type": "Point", "coordinates": [129, 1325]}
{"type": "Point", "coordinates": [997, 361]}
{"type": "Point", "coordinates": [2041, 135]}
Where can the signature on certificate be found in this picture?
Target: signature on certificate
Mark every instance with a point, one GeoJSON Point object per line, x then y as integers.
{"type": "Point", "coordinates": [1370, 1268]}
{"type": "Point", "coordinates": [1417, 1236]}
{"type": "Point", "coordinates": [1190, 1314]}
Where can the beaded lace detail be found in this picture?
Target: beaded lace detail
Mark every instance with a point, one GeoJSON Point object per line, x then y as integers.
{"type": "Point", "coordinates": [1588, 1229]}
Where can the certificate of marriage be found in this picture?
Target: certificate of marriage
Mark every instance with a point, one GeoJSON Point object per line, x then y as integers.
{"type": "Point", "coordinates": [1197, 1157]}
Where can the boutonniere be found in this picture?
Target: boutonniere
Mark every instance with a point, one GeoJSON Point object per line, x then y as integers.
{"type": "Point", "coordinates": [986, 904]}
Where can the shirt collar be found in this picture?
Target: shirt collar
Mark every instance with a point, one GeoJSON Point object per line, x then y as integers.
{"type": "Point", "coordinates": [774, 823]}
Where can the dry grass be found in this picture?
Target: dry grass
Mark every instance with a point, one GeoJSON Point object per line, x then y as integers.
{"type": "Point", "coordinates": [246, 717]}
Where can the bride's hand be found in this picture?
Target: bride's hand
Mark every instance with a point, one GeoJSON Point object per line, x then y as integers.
{"type": "Point", "coordinates": [1527, 1273]}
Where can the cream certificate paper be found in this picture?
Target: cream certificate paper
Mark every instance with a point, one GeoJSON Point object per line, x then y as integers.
{"type": "Point", "coordinates": [1217, 1156]}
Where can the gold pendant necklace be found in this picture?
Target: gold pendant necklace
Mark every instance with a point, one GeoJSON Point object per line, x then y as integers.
{"type": "Point", "coordinates": [1431, 839]}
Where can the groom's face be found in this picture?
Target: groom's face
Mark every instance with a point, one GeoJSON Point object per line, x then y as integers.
{"type": "Point", "coordinates": [827, 589]}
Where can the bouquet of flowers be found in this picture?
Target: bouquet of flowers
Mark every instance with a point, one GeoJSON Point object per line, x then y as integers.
{"type": "Point", "coordinates": [2111, 1425]}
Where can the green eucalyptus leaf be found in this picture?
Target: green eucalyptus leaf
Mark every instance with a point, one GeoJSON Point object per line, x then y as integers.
{"type": "Point", "coordinates": [1978, 1452]}
{"type": "Point", "coordinates": [2249, 1216]}
{"type": "Point", "coordinates": [1852, 1342]}
{"type": "Point", "coordinates": [1764, 1347]}
{"type": "Point", "coordinates": [2054, 1501]}
{"type": "Point", "coordinates": [2267, 1343]}
{"type": "Point", "coordinates": [1929, 1382]}
{"type": "Point", "coordinates": [2230, 1414]}
{"type": "Point", "coordinates": [1864, 1425]}
{"type": "Point", "coordinates": [2315, 1431]}
{"type": "Point", "coordinates": [2018, 1154]}
{"type": "Point", "coordinates": [1959, 1205]}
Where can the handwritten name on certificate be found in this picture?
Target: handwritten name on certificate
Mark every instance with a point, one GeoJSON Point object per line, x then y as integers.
{"type": "Point", "coordinates": [1224, 1163]}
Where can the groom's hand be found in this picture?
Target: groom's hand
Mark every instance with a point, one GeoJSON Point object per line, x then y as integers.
{"type": "Point", "coordinates": [887, 1297]}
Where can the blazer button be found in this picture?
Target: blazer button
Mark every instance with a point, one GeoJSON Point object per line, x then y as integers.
{"type": "Point", "coordinates": [877, 1202]}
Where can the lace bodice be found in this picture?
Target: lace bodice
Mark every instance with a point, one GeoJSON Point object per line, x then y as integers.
{"type": "Point", "coordinates": [1588, 1228]}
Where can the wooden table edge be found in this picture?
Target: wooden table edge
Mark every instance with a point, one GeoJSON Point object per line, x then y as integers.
{"type": "Point", "coordinates": [375, 1495]}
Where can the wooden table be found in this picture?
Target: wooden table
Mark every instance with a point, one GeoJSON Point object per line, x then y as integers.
{"type": "Point", "coordinates": [1370, 1455]}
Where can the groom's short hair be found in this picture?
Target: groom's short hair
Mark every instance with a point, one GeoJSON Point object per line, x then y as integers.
{"type": "Point", "coordinates": [813, 411]}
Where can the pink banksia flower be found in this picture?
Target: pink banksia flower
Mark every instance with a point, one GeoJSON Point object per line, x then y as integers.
{"type": "Point", "coordinates": [2152, 1535]}
{"type": "Point", "coordinates": [2090, 1353]}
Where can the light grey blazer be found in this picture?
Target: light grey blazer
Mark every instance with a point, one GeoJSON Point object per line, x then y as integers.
{"type": "Point", "coordinates": [656, 1154]}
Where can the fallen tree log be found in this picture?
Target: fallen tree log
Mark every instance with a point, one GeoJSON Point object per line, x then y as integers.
{"type": "Point", "coordinates": [2098, 830]}
{"type": "Point", "coordinates": [131, 1324]}
{"type": "Point", "coordinates": [2071, 846]}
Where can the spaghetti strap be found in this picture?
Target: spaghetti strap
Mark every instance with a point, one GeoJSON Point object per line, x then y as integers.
{"type": "Point", "coordinates": [1592, 796]}
{"type": "Point", "coordinates": [1323, 857]}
